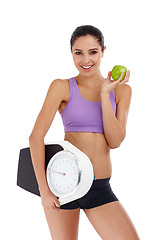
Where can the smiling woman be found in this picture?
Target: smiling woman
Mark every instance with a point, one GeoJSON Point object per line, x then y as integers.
{"type": "Point", "coordinates": [94, 111]}
{"type": "Point", "coordinates": [87, 59]}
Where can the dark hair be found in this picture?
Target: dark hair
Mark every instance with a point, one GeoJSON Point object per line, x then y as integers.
{"type": "Point", "coordinates": [85, 30]}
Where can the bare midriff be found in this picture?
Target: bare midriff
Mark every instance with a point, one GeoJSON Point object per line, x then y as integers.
{"type": "Point", "coordinates": [94, 145]}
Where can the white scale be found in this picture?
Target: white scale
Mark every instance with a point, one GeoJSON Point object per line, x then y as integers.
{"type": "Point", "coordinates": [70, 173]}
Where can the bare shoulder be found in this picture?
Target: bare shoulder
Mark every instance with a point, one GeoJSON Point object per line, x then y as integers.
{"type": "Point", "coordinates": [60, 83]}
{"type": "Point", "coordinates": [61, 86]}
{"type": "Point", "coordinates": [123, 91]}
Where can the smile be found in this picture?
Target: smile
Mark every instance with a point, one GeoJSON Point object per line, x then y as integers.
{"type": "Point", "coordinates": [87, 68]}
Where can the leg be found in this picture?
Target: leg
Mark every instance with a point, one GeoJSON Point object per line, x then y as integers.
{"type": "Point", "coordinates": [112, 222]}
{"type": "Point", "coordinates": [63, 224]}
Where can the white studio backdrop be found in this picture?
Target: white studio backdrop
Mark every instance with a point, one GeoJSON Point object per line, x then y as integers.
{"type": "Point", "coordinates": [35, 50]}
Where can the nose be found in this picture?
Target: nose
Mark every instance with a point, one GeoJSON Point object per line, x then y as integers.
{"type": "Point", "coordinates": [86, 58]}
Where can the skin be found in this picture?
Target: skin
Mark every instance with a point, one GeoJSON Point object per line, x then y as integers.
{"type": "Point", "coordinates": [109, 220]}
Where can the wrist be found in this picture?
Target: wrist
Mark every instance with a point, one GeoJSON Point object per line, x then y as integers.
{"type": "Point", "coordinates": [44, 188]}
{"type": "Point", "coordinates": [44, 192]}
{"type": "Point", "coordinates": [104, 94]}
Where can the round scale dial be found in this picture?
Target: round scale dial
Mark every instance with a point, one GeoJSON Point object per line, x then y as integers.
{"type": "Point", "coordinates": [63, 173]}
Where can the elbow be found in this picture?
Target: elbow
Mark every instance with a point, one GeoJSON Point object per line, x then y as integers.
{"type": "Point", "coordinates": [30, 139]}
{"type": "Point", "coordinates": [35, 137]}
{"type": "Point", "coordinates": [116, 143]}
{"type": "Point", "coordinates": [32, 135]}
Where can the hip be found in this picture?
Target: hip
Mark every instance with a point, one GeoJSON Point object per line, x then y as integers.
{"type": "Point", "coordinates": [100, 193]}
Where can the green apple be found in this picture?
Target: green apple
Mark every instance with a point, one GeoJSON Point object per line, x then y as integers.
{"type": "Point", "coordinates": [117, 71]}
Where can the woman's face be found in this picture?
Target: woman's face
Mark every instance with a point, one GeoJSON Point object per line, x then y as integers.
{"type": "Point", "coordinates": [87, 54]}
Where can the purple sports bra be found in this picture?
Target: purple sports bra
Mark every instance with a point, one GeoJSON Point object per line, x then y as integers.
{"type": "Point", "coordinates": [81, 115]}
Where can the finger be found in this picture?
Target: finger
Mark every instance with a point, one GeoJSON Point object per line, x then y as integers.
{"type": "Point", "coordinates": [56, 208]}
{"type": "Point", "coordinates": [123, 82]}
{"type": "Point", "coordinates": [57, 203]}
{"type": "Point", "coordinates": [109, 75]}
{"type": "Point", "coordinates": [120, 78]}
{"type": "Point", "coordinates": [126, 79]}
{"type": "Point", "coordinates": [127, 74]}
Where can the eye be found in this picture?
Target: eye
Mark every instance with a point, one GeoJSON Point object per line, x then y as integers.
{"type": "Point", "coordinates": [93, 52]}
{"type": "Point", "coordinates": [78, 53]}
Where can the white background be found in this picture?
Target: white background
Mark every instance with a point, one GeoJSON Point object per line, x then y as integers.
{"type": "Point", "coordinates": [35, 50]}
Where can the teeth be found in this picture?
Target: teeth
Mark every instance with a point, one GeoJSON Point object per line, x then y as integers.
{"type": "Point", "coordinates": [87, 67]}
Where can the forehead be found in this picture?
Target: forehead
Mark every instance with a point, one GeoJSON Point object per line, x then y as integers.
{"type": "Point", "coordinates": [86, 42]}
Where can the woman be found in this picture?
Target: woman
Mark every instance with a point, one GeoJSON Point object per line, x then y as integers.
{"type": "Point", "coordinates": [94, 111]}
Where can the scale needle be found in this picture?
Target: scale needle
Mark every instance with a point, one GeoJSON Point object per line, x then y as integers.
{"type": "Point", "coordinates": [59, 172]}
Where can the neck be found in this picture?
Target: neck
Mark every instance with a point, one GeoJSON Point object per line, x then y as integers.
{"type": "Point", "coordinates": [92, 80]}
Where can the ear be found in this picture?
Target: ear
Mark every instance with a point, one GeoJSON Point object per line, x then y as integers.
{"type": "Point", "coordinates": [103, 51]}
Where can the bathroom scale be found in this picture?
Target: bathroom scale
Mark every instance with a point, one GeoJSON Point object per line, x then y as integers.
{"type": "Point", "coordinates": [69, 171]}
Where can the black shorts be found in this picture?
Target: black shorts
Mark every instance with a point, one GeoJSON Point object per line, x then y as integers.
{"type": "Point", "coordinates": [100, 193]}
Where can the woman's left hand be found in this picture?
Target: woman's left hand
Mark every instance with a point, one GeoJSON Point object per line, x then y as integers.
{"type": "Point", "coordinates": [109, 84]}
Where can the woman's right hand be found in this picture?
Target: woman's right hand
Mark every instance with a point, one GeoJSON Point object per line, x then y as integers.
{"type": "Point", "coordinates": [49, 200]}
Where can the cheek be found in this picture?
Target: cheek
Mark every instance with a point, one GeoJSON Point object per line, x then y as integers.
{"type": "Point", "coordinates": [76, 60]}
{"type": "Point", "coordinates": [97, 59]}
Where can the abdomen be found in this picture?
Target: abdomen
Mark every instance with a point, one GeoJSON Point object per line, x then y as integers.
{"type": "Point", "coordinates": [94, 145]}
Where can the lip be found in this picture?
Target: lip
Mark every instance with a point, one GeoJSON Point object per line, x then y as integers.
{"type": "Point", "coordinates": [87, 69]}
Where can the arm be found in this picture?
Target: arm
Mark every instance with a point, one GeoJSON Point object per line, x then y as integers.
{"type": "Point", "coordinates": [115, 126]}
{"type": "Point", "coordinates": [51, 104]}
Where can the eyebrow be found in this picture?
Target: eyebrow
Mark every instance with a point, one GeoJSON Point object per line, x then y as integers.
{"type": "Point", "coordinates": [89, 49]}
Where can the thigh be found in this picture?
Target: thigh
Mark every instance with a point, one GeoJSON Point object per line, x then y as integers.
{"type": "Point", "coordinates": [63, 224]}
{"type": "Point", "coordinates": [112, 222]}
